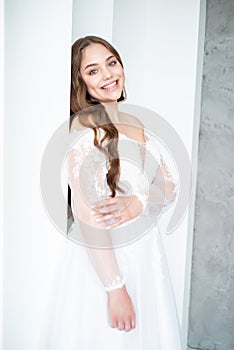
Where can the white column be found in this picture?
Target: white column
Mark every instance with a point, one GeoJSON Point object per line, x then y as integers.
{"type": "Point", "coordinates": [1, 160]}
{"type": "Point", "coordinates": [37, 88]}
{"type": "Point", "coordinates": [92, 18]}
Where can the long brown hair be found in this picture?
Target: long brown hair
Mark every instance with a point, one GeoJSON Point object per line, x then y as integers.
{"type": "Point", "coordinates": [92, 114]}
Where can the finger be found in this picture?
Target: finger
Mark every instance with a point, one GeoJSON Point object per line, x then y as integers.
{"type": "Point", "coordinates": [96, 211]}
{"type": "Point", "coordinates": [116, 224]}
{"type": "Point", "coordinates": [96, 214]}
{"type": "Point", "coordinates": [108, 208]}
{"type": "Point", "coordinates": [133, 323]}
{"type": "Point", "coordinates": [108, 217]}
{"type": "Point", "coordinates": [113, 324]}
{"type": "Point", "coordinates": [121, 326]}
{"type": "Point", "coordinates": [115, 201]}
{"type": "Point", "coordinates": [104, 202]}
{"type": "Point", "coordinates": [103, 210]}
{"type": "Point", "coordinates": [111, 209]}
{"type": "Point", "coordinates": [128, 326]}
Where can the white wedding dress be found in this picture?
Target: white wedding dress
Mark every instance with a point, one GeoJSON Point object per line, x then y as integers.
{"type": "Point", "coordinates": [77, 315]}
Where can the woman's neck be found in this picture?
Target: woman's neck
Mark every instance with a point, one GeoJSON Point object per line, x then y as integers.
{"type": "Point", "coordinates": [112, 110]}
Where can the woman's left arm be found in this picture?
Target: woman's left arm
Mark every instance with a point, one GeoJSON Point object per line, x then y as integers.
{"type": "Point", "coordinates": [117, 210]}
{"type": "Point", "coordinates": [162, 191]}
{"type": "Point", "coordinates": [160, 196]}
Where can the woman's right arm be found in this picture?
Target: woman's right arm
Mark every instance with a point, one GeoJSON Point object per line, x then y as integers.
{"type": "Point", "coordinates": [83, 166]}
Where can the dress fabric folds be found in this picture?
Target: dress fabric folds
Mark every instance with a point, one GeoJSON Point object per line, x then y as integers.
{"type": "Point", "coordinates": [76, 314]}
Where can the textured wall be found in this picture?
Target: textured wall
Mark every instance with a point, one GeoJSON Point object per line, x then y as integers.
{"type": "Point", "coordinates": [211, 319]}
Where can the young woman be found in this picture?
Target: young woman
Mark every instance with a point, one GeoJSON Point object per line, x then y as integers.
{"type": "Point", "coordinates": [113, 288]}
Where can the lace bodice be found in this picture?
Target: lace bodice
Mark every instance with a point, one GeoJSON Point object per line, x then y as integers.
{"type": "Point", "coordinates": [143, 173]}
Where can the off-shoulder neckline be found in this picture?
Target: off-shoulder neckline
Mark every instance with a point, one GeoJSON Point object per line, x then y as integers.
{"type": "Point", "coordinates": [146, 135]}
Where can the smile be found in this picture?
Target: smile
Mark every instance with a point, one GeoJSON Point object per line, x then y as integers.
{"type": "Point", "coordinates": [110, 86]}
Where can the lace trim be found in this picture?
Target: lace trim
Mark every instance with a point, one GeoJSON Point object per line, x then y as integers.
{"type": "Point", "coordinates": [95, 175]}
{"type": "Point", "coordinates": [142, 149]}
{"type": "Point", "coordinates": [167, 178]}
{"type": "Point", "coordinates": [117, 283]}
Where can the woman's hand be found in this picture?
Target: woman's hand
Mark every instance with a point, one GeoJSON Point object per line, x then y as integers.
{"type": "Point", "coordinates": [121, 310]}
{"type": "Point", "coordinates": [117, 210]}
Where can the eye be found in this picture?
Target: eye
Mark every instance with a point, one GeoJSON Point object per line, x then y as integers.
{"type": "Point", "coordinates": [112, 63]}
{"type": "Point", "coordinates": [93, 71]}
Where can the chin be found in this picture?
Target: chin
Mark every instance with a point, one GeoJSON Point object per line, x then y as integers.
{"type": "Point", "coordinates": [112, 98]}
{"type": "Point", "coordinates": [117, 96]}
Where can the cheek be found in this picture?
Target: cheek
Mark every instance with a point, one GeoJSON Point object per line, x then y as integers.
{"type": "Point", "coordinates": [90, 84]}
{"type": "Point", "coordinates": [123, 76]}
{"type": "Point", "coordinates": [120, 72]}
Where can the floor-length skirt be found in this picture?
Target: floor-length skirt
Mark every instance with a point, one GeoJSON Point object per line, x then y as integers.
{"type": "Point", "coordinates": [77, 318]}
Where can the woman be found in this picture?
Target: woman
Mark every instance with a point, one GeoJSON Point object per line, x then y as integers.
{"type": "Point", "coordinates": [113, 290]}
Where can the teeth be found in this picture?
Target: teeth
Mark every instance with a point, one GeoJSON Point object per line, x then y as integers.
{"type": "Point", "coordinates": [110, 86]}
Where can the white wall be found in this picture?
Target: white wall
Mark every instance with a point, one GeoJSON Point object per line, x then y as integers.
{"type": "Point", "coordinates": [1, 159]}
{"type": "Point", "coordinates": [37, 83]}
{"type": "Point", "coordinates": [92, 18]}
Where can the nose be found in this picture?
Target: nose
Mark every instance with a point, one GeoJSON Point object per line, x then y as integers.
{"type": "Point", "coordinates": [106, 73]}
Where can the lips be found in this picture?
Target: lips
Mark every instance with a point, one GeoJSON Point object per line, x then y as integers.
{"type": "Point", "coordinates": [110, 85]}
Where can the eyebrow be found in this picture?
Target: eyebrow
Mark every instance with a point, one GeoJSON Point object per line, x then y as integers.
{"type": "Point", "coordinates": [95, 64]}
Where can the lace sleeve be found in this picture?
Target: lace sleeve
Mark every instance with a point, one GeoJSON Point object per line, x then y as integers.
{"type": "Point", "coordinates": [162, 189]}
{"type": "Point", "coordinates": [87, 180]}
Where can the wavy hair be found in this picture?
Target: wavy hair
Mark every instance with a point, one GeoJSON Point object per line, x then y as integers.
{"type": "Point", "coordinates": [92, 113]}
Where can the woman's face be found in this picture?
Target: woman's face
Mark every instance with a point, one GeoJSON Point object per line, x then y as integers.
{"type": "Point", "coordinates": [102, 73]}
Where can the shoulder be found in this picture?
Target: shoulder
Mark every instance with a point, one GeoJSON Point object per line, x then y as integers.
{"type": "Point", "coordinates": [82, 137]}
{"type": "Point", "coordinates": [132, 127]}
{"type": "Point", "coordinates": [76, 124]}
{"type": "Point", "coordinates": [131, 119]}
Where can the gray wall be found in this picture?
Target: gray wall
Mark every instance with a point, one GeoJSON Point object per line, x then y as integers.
{"type": "Point", "coordinates": [211, 314]}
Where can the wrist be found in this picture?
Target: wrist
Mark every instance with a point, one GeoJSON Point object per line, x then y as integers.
{"type": "Point", "coordinates": [117, 291]}
{"type": "Point", "coordinates": [142, 198]}
{"type": "Point", "coordinates": [116, 284]}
